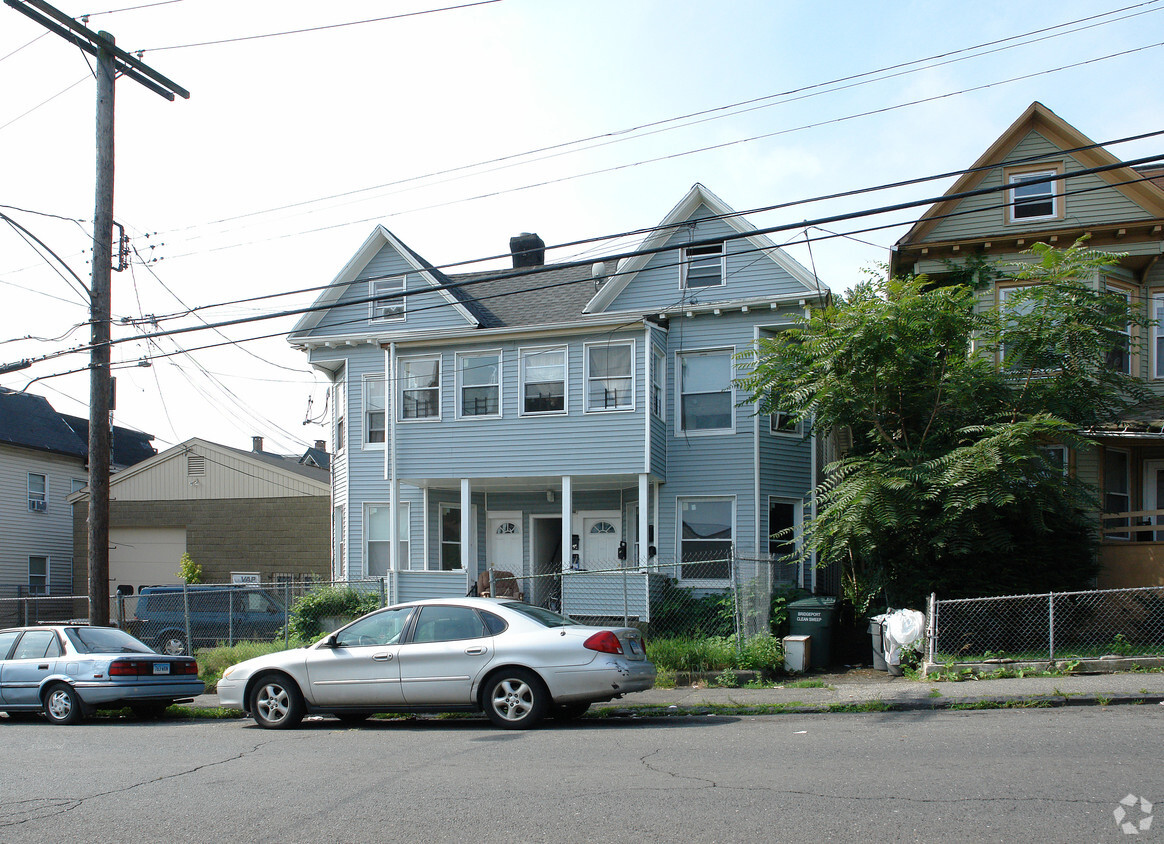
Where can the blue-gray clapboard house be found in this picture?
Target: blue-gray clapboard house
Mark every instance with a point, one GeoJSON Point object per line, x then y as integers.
{"type": "Point", "coordinates": [548, 418]}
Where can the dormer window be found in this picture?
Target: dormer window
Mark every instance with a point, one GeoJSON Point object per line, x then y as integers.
{"type": "Point", "coordinates": [703, 266]}
{"type": "Point", "coordinates": [1034, 194]}
{"type": "Point", "coordinates": [392, 306]}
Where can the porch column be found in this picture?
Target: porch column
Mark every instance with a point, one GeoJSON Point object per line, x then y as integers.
{"type": "Point", "coordinates": [567, 528]}
{"type": "Point", "coordinates": [644, 519]}
{"type": "Point", "coordinates": [466, 525]}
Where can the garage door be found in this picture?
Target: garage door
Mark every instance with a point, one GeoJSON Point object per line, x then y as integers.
{"type": "Point", "coordinates": [145, 556]}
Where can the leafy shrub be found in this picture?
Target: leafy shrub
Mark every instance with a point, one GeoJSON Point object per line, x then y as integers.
{"type": "Point", "coordinates": [782, 596]}
{"type": "Point", "coordinates": [762, 653]}
{"type": "Point", "coordinates": [308, 612]}
{"type": "Point", "coordinates": [679, 613]}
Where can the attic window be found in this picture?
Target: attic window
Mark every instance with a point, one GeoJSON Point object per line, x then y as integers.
{"type": "Point", "coordinates": [391, 308]}
{"type": "Point", "coordinates": [195, 465]}
{"type": "Point", "coordinates": [703, 266]}
{"type": "Point", "coordinates": [1029, 199]}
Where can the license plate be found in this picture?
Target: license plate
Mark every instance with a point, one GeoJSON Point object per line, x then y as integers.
{"type": "Point", "coordinates": [634, 646]}
{"type": "Point", "coordinates": [161, 668]}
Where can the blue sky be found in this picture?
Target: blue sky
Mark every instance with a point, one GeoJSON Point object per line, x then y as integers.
{"type": "Point", "coordinates": [230, 185]}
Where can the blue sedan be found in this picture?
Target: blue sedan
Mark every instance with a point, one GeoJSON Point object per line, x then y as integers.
{"type": "Point", "coordinates": [68, 671]}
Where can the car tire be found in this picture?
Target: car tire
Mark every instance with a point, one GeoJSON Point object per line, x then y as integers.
{"type": "Point", "coordinates": [149, 711]}
{"type": "Point", "coordinates": [568, 711]}
{"type": "Point", "coordinates": [515, 699]}
{"type": "Point", "coordinates": [276, 702]}
{"type": "Point", "coordinates": [172, 644]}
{"type": "Point", "coordinates": [62, 705]}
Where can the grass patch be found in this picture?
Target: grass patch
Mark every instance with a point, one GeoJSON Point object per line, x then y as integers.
{"type": "Point", "coordinates": [867, 706]}
{"type": "Point", "coordinates": [807, 684]}
{"type": "Point", "coordinates": [213, 661]}
{"type": "Point", "coordinates": [715, 654]}
{"type": "Point", "coordinates": [1028, 703]}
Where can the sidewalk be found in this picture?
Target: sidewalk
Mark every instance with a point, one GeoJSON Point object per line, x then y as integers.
{"type": "Point", "coordinates": [867, 687]}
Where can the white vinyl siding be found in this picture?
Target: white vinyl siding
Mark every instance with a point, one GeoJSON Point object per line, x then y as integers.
{"type": "Point", "coordinates": [610, 376]}
{"type": "Point", "coordinates": [543, 380]}
{"type": "Point", "coordinates": [391, 308]}
{"type": "Point", "coordinates": [420, 387]}
{"type": "Point", "coordinates": [479, 384]}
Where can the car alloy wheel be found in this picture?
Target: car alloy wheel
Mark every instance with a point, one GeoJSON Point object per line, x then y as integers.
{"type": "Point", "coordinates": [276, 703]}
{"type": "Point", "coordinates": [172, 644]}
{"type": "Point", "coordinates": [61, 705]}
{"type": "Point", "coordinates": [515, 699]}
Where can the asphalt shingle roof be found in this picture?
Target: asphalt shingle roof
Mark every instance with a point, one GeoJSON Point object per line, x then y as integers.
{"type": "Point", "coordinates": [29, 420]}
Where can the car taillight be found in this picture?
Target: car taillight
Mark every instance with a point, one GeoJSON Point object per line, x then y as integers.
{"type": "Point", "coordinates": [605, 642]}
{"type": "Point", "coordinates": [190, 667]}
{"type": "Point", "coordinates": [124, 668]}
{"type": "Point", "coordinates": [145, 668]}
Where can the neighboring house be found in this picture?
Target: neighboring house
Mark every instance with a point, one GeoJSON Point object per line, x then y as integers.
{"type": "Point", "coordinates": [494, 423]}
{"type": "Point", "coordinates": [1122, 209]}
{"type": "Point", "coordinates": [43, 458]}
{"type": "Point", "coordinates": [244, 513]}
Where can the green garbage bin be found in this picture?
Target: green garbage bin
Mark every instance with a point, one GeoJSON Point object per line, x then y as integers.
{"type": "Point", "coordinates": [814, 617]}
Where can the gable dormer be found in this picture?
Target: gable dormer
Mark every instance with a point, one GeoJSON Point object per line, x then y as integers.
{"type": "Point", "coordinates": [385, 289]}
{"type": "Point", "coordinates": [703, 252]}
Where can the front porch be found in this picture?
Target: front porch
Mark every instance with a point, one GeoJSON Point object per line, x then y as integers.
{"type": "Point", "coordinates": [1131, 551]}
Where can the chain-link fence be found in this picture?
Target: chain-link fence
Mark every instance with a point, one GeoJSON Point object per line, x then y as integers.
{"type": "Point", "coordinates": [25, 609]}
{"type": "Point", "coordinates": [1050, 626]}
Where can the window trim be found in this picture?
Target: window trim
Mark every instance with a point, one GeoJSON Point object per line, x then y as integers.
{"type": "Point", "coordinates": [658, 388]}
{"type": "Point", "coordinates": [680, 428]}
{"type": "Point", "coordinates": [704, 257]}
{"type": "Point", "coordinates": [44, 496]}
{"type": "Point", "coordinates": [1131, 293]}
{"type": "Point", "coordinates": [680, 500]}
{"type": "Point", "coordinates": [372, 378]}
{"type": "Point", "coordinates": [1013, 175]}
{"type": "Point", "coordinates": [340, 412]}
{"type": "Point", "coordinates": [586, 347]}
{"type": "Point", "coordinates": [48, 570]}
{"type": "Point", "coordinates": [1156, 353]}
{"type": "Point", "coordinates": [796, 432]}
{"type": "Point", "coordinates": [400, 387]}
{"type": "Point", "coordinates": [398, 284]}
{"type": "Point", "coordinates": [522, 352]}
{"type": "Point", "coordinates": [403, 535]}
{"type": "Point", "coordinates": [499, 384]}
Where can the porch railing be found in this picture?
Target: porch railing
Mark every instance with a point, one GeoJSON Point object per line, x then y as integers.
{"type": "Point", "coordinates": [1134, 525]}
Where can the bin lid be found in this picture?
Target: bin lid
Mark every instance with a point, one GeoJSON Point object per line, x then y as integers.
{"type": "Point", "coordinates": [816, 602]}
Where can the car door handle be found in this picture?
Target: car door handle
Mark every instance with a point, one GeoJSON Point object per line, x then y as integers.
{"type": "Point", "coordinates": [382, 657]}
{"type": "Point", "coordinates": [475, 651]}
{"type": "Point", "coordinates": [42, 668]}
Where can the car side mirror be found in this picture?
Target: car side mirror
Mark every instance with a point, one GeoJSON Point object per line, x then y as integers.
{"type": "Point", "coordinates": [330, 642]}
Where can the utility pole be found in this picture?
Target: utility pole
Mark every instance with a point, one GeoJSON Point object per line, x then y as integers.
{"type": "Point", "coordinates": [110, 62]}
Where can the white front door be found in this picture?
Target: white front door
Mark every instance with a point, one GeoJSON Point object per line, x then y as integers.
{"type": "Point", "coordinates": [1154, 493]}
{"type": "Point", "coordinates": [505, 550]}
{"type": "Point", "coordinates": [600, 538]}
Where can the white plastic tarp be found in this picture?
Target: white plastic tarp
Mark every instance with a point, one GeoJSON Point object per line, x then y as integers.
{"type": "Point", "coordinates": [902, 628]}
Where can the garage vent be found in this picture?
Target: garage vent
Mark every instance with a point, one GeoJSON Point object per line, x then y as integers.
{"type": "Point", "coordinates": [195, 465]}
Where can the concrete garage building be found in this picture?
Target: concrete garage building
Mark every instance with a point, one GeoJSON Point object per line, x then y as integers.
{"type": "Point", "coordinates": [235, 512]}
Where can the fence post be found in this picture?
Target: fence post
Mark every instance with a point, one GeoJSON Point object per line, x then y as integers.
{"type": "Point", "coordinates": [625, 608]}
{"type": "Point", "coordinates": [286, 614]}
{"type": "Point", "coordinates": [230, 618]}
{"type": "Point", "coordinates": [932, 644]}
{"type": "Point", "coordinates": [383, 591]}
{"type": "Point", "coordinates": [186, 613]}
{"type": "Point", "coordinates": [733, 581]}
{"type": "Point", "coordinates": [25, 602]}
{"type": "Point", "coordinates": [492, 583]}
{"type": "Point", "coordinates": [121, 610]}
{"type": "Point", "coordinates": [1051, 624]}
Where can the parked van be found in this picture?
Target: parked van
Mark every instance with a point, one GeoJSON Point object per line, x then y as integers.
{"type": "Point", "coordinates": [217, 614]}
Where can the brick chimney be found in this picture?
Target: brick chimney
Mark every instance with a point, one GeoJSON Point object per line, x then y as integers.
{"type": "Point", "coordinates": [256, 443]}
{"type": "Point", "coordinates": [528, 250]}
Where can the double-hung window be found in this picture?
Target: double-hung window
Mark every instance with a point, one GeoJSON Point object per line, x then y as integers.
{"type": "Point", "coordinates": [543, 380]}
{"type": "Point", "coordinates": [1117, 490]}
{"type": "Point", "coordinates": [703, 266]}
{"type": "Point", "coordinates": [705, 391]}
{"type": "Point", "coordinates": [705, 539]}
{"type": "Point", "coordinates": [450, 537]}
{"type": "Point", "coordinates": [378, 530]}
{"type": "Point", "coordinates": [374, 411]}
{"type": "Point", "coordinates": [38, 575]}
{"type": "Point", "coordinates": [1034, 195]}
{"type": "Point", "coordinates": [479, 384]}
{"type": "Point", "coordinates": [1156, 315]}
{"type": "Point", "coordinates": [339, 411]}
{"type": "Point", "coordinates": [610, 382]}
{"type": "Point", "coordinates": [387, 295]}
{"type": "Point", "coordinates": [658, 379]}
{"type": "Point", "coordinates": [37, 492]}
{"type": "Point", "coordinates": [1119, 356]}
{"type": "Point", "coordinates": [420, 387]}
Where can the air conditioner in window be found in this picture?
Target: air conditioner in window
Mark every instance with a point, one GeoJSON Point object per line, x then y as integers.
{"type": "Point", "coordinates": [37, 506]}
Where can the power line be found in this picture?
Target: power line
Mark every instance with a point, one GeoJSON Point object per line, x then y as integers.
{"type": "Point", "coordinates": [629, 131]}
{"type": "Point", "coordinates": [319, 28]}
{"type": "Point", "coordinates": [4, 126]}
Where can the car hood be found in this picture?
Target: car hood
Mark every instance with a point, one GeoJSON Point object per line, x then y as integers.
{"type": "Point", "coordinates": [279, 659]}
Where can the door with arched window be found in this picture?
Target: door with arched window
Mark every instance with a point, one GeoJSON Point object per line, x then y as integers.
{"type": "Point", "coordinates": [600, 538]}
{"type": "Point", "coordinates": [505, 542]}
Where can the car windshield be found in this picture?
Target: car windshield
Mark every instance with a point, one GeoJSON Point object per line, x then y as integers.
{"type": "Point", "coordinates": [541, 616]}
{"type": "Point", "coordinates": [105, 640]}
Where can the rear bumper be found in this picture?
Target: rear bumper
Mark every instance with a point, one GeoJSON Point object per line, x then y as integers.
{"type": "Point", "coordinates": [605, 678]}
{"type": "Point", "coordinates": [94, 694]}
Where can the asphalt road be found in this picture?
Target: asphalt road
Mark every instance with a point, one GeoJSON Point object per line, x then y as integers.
{"type": "Point", "coordinates": [1004, 775]}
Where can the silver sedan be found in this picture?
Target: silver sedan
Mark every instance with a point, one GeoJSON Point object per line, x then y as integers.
{"type": "Point", "coordinates": [517, 663]}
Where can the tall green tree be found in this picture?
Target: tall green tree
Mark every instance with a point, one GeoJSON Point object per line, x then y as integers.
{"type": "Point", "coordinates": [954, 404]}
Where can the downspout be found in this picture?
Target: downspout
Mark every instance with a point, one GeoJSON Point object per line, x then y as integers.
{"type": "Point", "coordinates": [756, 455]}
{"type": "Point", "coordinates": [393, 491]}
